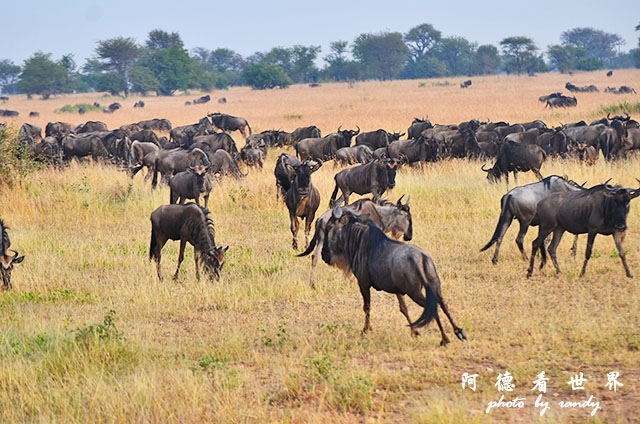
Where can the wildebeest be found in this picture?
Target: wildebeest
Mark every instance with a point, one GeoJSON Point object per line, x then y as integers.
{"type": "Point", "coordinates": [624, 89]}
{"type": "Point", "coordinates": [521, 203]}
{"type": "Point", "coordinates": [543, 99]}
{"type": "Point", "coordinates": [353, 154]}
{"type": "Point", "coordinates": [139, 103]}
{"type": "Point", "coordinates": [584, 89]}
{"type": "Point", "coordinates": [33, 114]}
{"type": "Point", "coordinates": [601, 209]}
{"type": "Point", "coordinates": [9, 113]}
{"type": "Point", "coordinates": [229, 123]}
{"type": "Point", "coordinates": [58, 130]}
{"type": "Point", "coordinates": [561, 101]}
{"type": "Point", "coordinates": [222, 100]}
{"type": "Point", "coordinates": [222, 163]}
{"type": "Point", "coordinates": [47, 151]}
{"type": "Point", "coordinates": [4, 97]}
{"type": "Point", "coordinates": [147, 136]}
{"type": "Point", "coordinates": [324, 148]}
{"type": "Point", "coordinates": [202, 100]}
{"type": "Point", "coordinates": [290, 139]}
{"type": "Point", "coordinates": [184, 135]}
{"type": "Point", "coordinates": [377, 139]}
{"type": "Point", "coordinates": [389, 217]}
{"type": "Point", "coordinates": [610, 73]}
{"type": "Point", "coordinates": [375, 177]}
{"type": "Point", "coordinates": [413, 150]}
{"type": "Point", "coordinates": [285, 164]}
{"type": "Point", "coordinates": [587, 154]}
{"type": "Point", "coordinates": [212, 142]}
{"type": "Point", "coordinates": [91, 126]}
{"type": "Point", "coordinates": [353, 244]}
{"type": "Point", "coordinates": [187, 223]}
{"type": "Point", "coordinates": [190, 184]}
{"type": "Point", "coordinates": [417, 126]}
{"type": "Point", "coordinates": [588, 134]}
{"type": "Point", "coordinates": [155, 124]}
{"type": "Point", "coordinates": [30, 132]}
{"type": "Point", "coordinates": [137, 152]}
{"type": "Point", "coordinates": [82, 146]}
{"type": "Point", "coordinates": [113, 107]}
{"type": "Point", "coordinates": [7, 261]}
{"type": "Point", "coordinates": [170, 162]}
{"type": "Point", "coordinates": [515, 157]}
{"type": "Point", "coordinates": [302, 199]}
{"type": "Point", "coordinates": [465, 84]}
{"type": "Point", "coordinates": [252, 156]}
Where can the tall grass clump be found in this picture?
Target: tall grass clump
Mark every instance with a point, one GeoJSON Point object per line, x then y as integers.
{"type": "Point", "coordinates": [618, 108]}
{"type": "Point", "coordinates": [76, 107]}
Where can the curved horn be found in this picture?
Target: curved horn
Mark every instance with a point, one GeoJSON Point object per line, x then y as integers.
{"type": "Point", "coordinates": [605, 183]}
{"type": "Point", "coordinates": [399, 202]}
{"type": "Point", "coordinates": [15, 254]}
{"type": "Point", "coordinates": [485, 170]}
{"type": "Point", "coordinates": [358, 130]}
{"type": "Point", "coordinates": [408, 200]}
{"type": "Point", "coordinates": [339, 128]}
{"type": "Point", "coordinates": [628, 117]}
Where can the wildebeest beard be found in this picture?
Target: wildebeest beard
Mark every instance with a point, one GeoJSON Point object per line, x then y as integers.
{"type": "Point", "coordinates": [353, 241]}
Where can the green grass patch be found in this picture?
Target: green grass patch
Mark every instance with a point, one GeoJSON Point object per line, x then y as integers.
{"type": "Point", "coordinates": [74, 108]}
{"type": "Point", "coordinates": [293, 116]}
{"type": "Point", "coordinates": [619, 108]}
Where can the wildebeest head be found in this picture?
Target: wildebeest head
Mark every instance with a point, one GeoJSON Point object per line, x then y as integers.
{"type": "Point", "coordinates": [392, 167]}
{"type": "Point", "coordinates": [213, 261]}
{"type": "Point", "coordinates": [335, 238]}
{"type": "Point", "coordinates": [200, 171]}
{"type": "Point", "coordinates": [617, 205]}
{"type": "Point", "coordinates": [395, 136]}
{"type": "Point", "coordinates": [302, 176]}
{"type": "Point", "coordinates": [404, 215]}
{"type": "Point", "coordinates": [6, 267]}
{"type": "Point", "coordinates": [493, 174]}
{"type": "Point", "coordinates": [347, 135]}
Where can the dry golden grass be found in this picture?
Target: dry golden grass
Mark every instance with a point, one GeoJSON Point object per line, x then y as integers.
{"type": "Point", "coordinates": [261, 345]}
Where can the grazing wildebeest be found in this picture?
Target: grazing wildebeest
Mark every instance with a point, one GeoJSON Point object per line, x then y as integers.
{"type": "Point", "coordinates": [230, 123]}
{"type": "Point", "coordinates": [353, 154]}
{"type": "Point", "coordinates": [290, 139]}
{"type": "Point", "coordinates": [202, 100]}
{"type": "Point", "coordinates": [170, 162]}
{"type": "Point", "coordinates": [514, 157]}
{"type": "Point", "coordinates": [155, 124]}
{"type": "Point", "coordinates": [47, 151]}
{"type": "Point", "coordinates": [587, 154]}
{"type": "Point", "coordinates": [91, 126]}
{"type": "Point", "coordinates": [9, 113]}
{"type": "Point", "coordinates": [81, 146]}
{"type": "Point", "coordinates": [583, 89]}
{"type": "Point", "coordinates": [187, 223]}
{"type": "Point", "coordinates": [190, 184]}
{"type": "Point", "coordinates": [377, 139]}
{"type": "Point", "coordinates": [58, 130]}
{"type": "Point", "coordinates": [624, 89]}
{"type": "Point", "coordinates": [521, 203]}
{"type": "Point", "coordinates": [137, 152]}
{"type": "Point", "coordinates": [389, 217]}
{"type": "Point", "coordinates": [610, 73]}
{"type": "Point", "coordinates": [285, 164]}
{"type": "Point", "coordinates": [543, 99]}
{"type": "Point", "coordinates": [222, 163]}
{"type": "Point", "coordinates": [465, 84]}
{"type": "Point", "coordinates": [302, 199]}
{"type": "Point", "coordinates": [413, 150]}
{"type": "Point", "coordinates": [30, 133]}
{"type": "Point", "coordinates": [139, 103]}
{"type": "Point", "coordinates": [375, 177]}
{"type": "Point", "coordinates": [34, 114]}
{"type": "Point", "coordinates": [356, 245]}
{"type": "Point", "coordinates": [324, 148]}
{"type": "Point", "coordinates": [417, 126]}
{"type": "Point", "coordinates": [601, 209]}
{"type": "Point", "coordinates": [561, 101]}
{"type": "Point", "coordinates": [7, 261]}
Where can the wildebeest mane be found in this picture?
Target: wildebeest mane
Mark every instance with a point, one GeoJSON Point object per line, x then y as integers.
{"type": "Point", "coordinates": [5, 242]}
{"type": "Point", "coordinates": [203, 230]}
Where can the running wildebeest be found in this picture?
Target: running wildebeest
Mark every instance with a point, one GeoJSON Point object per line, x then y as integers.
{"type": "Point", "coordinates": [302, 199]}
{"type": "Point", "coordinates": [284, 172]}
{"type": "Point", "coordinates": [230, 123]}
{"type": "Point", "coordinates": [389, 217]}
{"type": "Point", "coordinates": [187, 223]}
{"type": "Point", "coordinates": [7, 261]}
{"type": "Point", "coordinates": [374, 177]}
{"type": "Point", "coordinates": [601, 209]}
{"type": "Point", "coordinates": [521, 203]}
{"type": "Point", "coordinates": [190, 184]}
{"type": "Point", "coordinates": [515, 157]}
{"type": "Point", "coordinates": [356, 245]}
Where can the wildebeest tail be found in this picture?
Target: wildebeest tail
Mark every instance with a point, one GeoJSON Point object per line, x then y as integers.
{"type": "Point", "coordinates": [430, 307]}
{"type": "Point", "coordinates": [333, 196]}
{"type": "Point", "coordinates": [312, 245]}
{"type": "Point", "coordinates": [505, 218]}
{"type": "Point", "coordinates": [152, 244]}
{"type": "Point", "coordinates": [248, 126]}
{"type": "Point", "coordinates": [154, 182]}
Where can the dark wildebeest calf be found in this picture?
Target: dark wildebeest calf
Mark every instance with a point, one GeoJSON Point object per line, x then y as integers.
{"type": "Point", "coordinates": [190, 184]}
{"type": "Point", "coordinates": [514, 157]}
{"type": "Point", "coordinates": [602, 209]}
{"type": "Point", "coordinates": [377, 261]}
{"type": "Point", "coordinates": [521, 203]}
{"type": "Point", "coordinates": [389, 217]}
{"type": "Point", "coordinates": [7, 261]}
{"type": "Point", "coordinates": [302, 199]}
{"type": "Point", "coordinates": [374, 177]}
{"type": "Point", "coordinates": [187, 223]}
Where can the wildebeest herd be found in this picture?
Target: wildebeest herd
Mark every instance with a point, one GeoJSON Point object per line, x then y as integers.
{"type": "Point", "coordinates": [351, 236]}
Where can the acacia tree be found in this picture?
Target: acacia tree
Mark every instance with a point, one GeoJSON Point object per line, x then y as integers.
{"type": "Point", "coordinates": [41, 75]}
{"type": "Point", "coordinates": [381, 55]}
{"type": "Point", "coordinates": [457, 53]}
{"type": "Point", "coordinates": [9, 74]}
{"type": "Point", "coordinates": [486, 60]}
{"type": "Point", "coordinates": [118, 54]}
{"type": "Point", "coordinates": [421, 39]}
{"type": "Point", "coordinates": [160, 39]}
{"type": "Point", "coordinates": [598, 44]}
{"type": "Point", "coordinates": [519, 53]}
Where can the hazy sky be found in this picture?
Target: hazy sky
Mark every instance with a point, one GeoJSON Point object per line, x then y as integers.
{"type": "Point", "coordinates": [65, 26]}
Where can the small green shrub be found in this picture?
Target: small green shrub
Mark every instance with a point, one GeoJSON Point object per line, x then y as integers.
{"type": "Point", "coordinates": [74, 108]}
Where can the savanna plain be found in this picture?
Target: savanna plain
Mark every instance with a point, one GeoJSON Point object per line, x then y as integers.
{"type": "Point", "coordinates": [89, 334]}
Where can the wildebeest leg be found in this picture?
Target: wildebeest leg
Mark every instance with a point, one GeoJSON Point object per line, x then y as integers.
{"type": "Point", "coordinates": [538, 243]}
{"type": "Point", "coordinates": [557, 236]}
{"type": "Point", "coordinates": [515, 177]}
{"type": "Point", "coordinates": [405, 312]}
{"type": "Point", "coordinates": [618, 241]}
{"type": "Point", "coordinates": [316, 254]}
{"type": "Point", "coordinates": [206, 201]}
{"type": "Point", "coordinates": [294, 229]}
{"type": "Point", "coordinates": [157, 251]}
{"type": "Point", "coordinates": [538, 174]}
{"type": "Point", "coordinates": [197, 199]}
{"type": "Point", "coordinates": [524, 226]}
{"type": "Point", "coordinates": [196, 256]}
{"type": "Point", "coordinates": [574, 248]}
{"type": "Point", "coordinates": [459, 332]}
{"type": "Point", "coordinates": [307, 228]}
{"type": "Point", "coordinates": [366, 298]}
{"type": "Point", "coordinates": [587, 253]}
{"type": "Point", "coordinates": [183, 243]}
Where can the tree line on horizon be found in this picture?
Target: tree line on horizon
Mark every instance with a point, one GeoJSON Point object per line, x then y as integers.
{"type": "Point", "coordinates": [163, 65]}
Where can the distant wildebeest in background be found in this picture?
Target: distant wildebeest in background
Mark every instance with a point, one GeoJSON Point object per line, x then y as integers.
{"type": "Point", "coordinates": [515, 157]}
{"type": "Point", "coordinates": [91, 126]}
{"type": "Point", "coordinates": [5, 98]}
{"type": "Point", "coordinates": [81, 110]}
{"type": "Point", "coordinates": [8, 113]}
{"type": "Point", "coordinates": [229, 123]}
{"type": "Point", "coordinates": [112, 107]}
{"type": "Point", "coordinates": [375, 177]}
{"type": "Point", "coordinates": [622, 90]}
{"type": "Point", "coordinates": [354, 244]}
{"type": "Point", "coordinates": [465, 84]}
{"type": "Point", "coordinates": [202, 100]}
{"type": "Point", "coordinates": [187, 103]}
{"type": "Point", "coordinates": [7, 261]}
{"type": "Point", "coordinates": [584, 89]}
{"type": "Point", "coordinates": [190, 184]}
{"type": "Point", "coordinates": [187, 223]}
{"type": "Point", "coordinates": [543, 99]}
{"type": "Point", "coordinates": [34, 114]}
{"type": "Point", "coordinates": [521, 203]}
{"type": "Point", "coordinates": [155, 124]}
{"type": "Point", "coordinates": [610, 73]}
{"type": "Point", "coordinates": [561, 101]}
{"type": "Point", "coordinates": [601, 209]}
{"type": "Point", "coordinates": [302, 199]}
{"type": "Point", "coordinates": [222, 100]}
{"type": "Point", "coordinates": [417, 126]}
{"type": "Point", "coordinates": [139, 103]}
{"type": "Point", "coordinates": [389, 217]}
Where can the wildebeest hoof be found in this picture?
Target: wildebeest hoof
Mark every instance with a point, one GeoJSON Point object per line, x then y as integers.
{"type": "Point", "coordinates": [529, 274]}
{"type": "Point", "coordinates": [460, 334]}
{"type": "Point", "coordinates": [494, 261]}
{"type": "Point", "coordinates": [415, 333]}
{"type": "Point", "coordinates": [444, 342]}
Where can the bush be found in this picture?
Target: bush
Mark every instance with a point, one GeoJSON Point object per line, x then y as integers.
{"type": "Point", "coordinates": [619, 108]}
{"type": "Point", "coordinates": [15, 160]}
{"type": "Point", "coordinates": [261, 76]}
{"type": "Point", "coordinates": [74, 108]}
